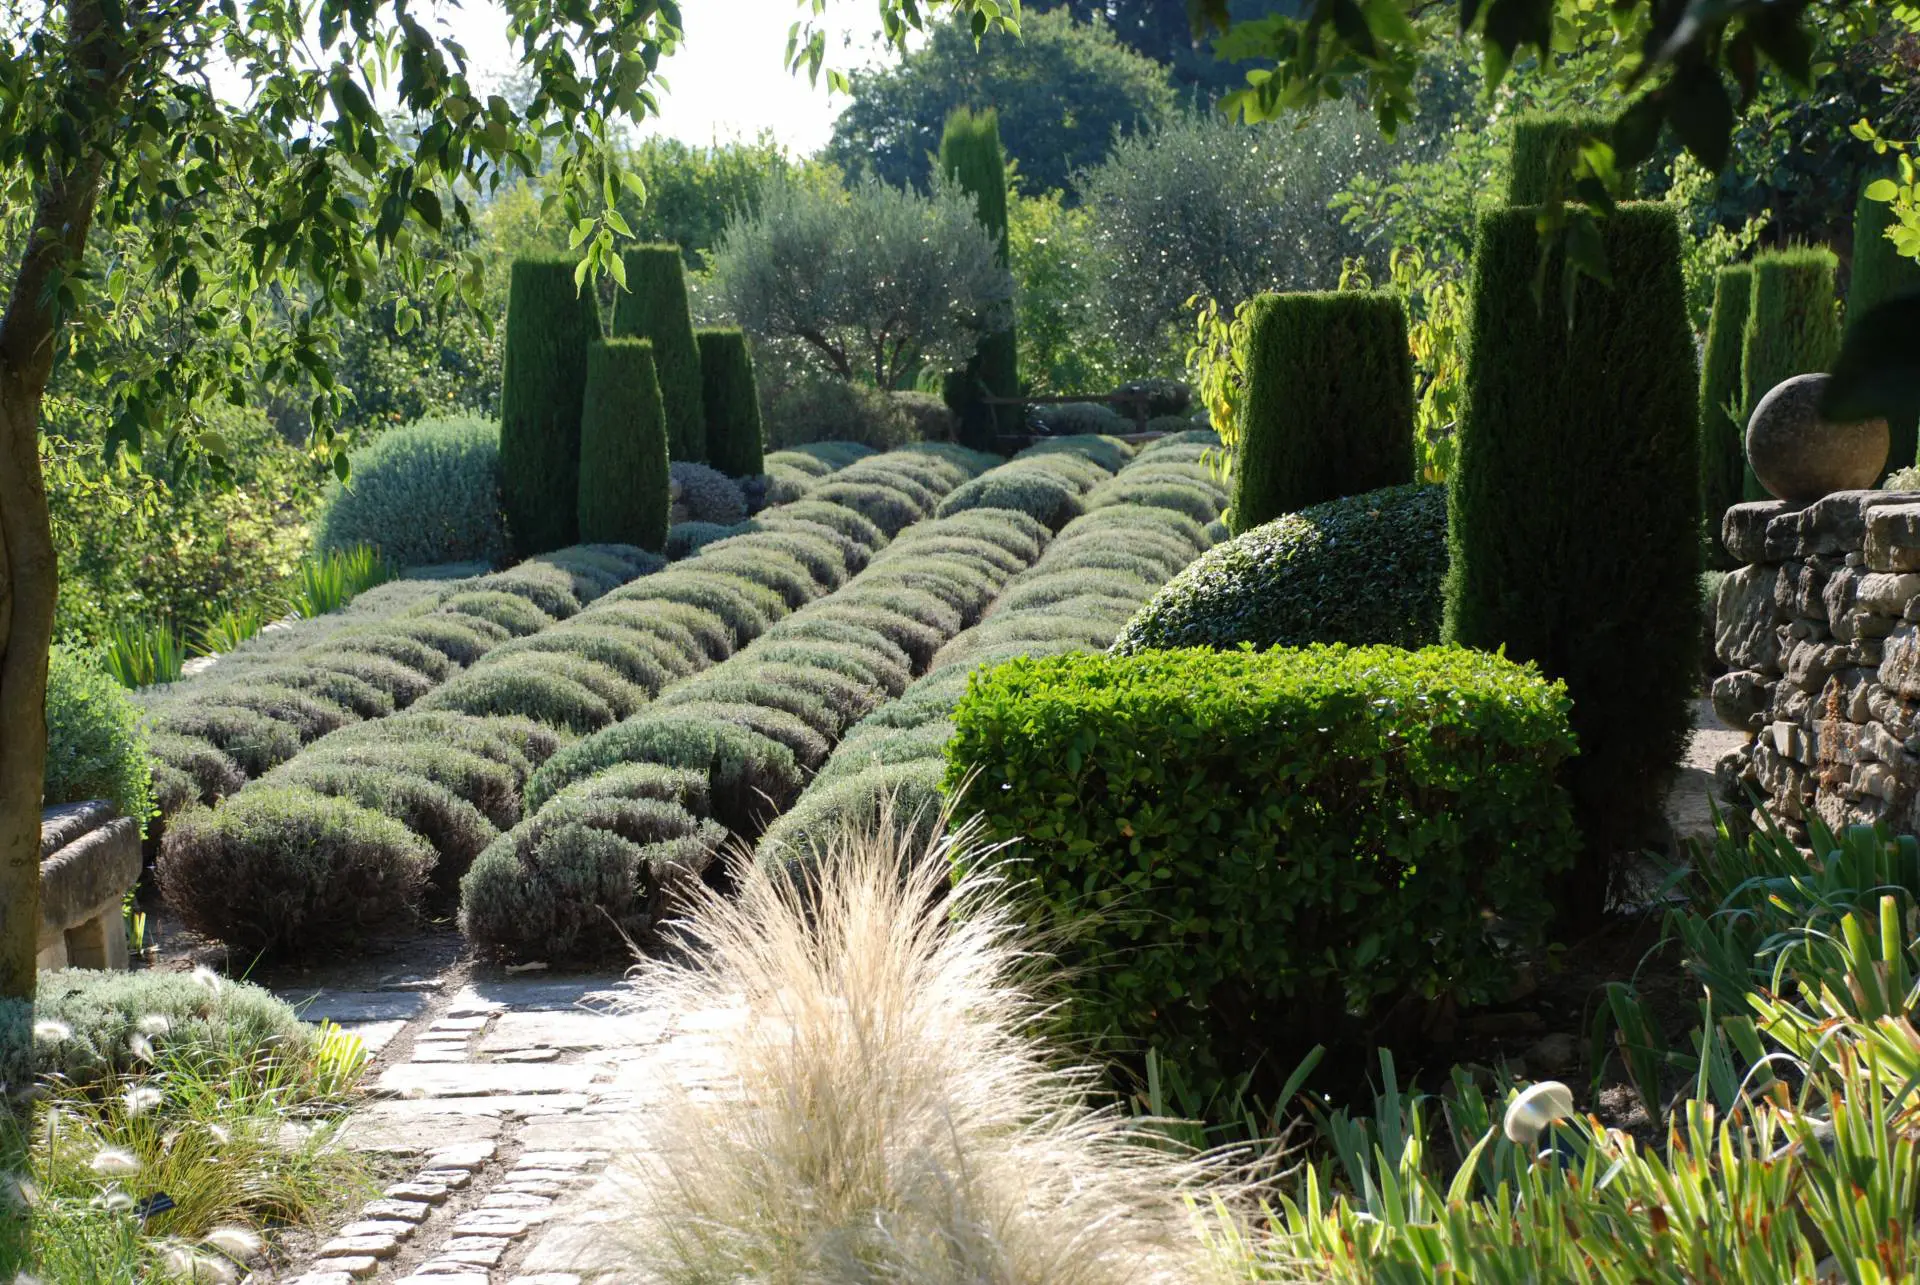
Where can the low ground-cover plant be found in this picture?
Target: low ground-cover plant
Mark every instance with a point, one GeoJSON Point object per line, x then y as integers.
{"type": "Point", "coordinates": [1242, 848]}
{"type": "Point", "coordinates": [178, 1120]}
{"type": "Point", "coordinates": [1364, 569]}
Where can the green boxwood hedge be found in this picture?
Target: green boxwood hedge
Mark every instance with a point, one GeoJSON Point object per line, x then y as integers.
{"type": "Point", "coordinates": [1237, 853]}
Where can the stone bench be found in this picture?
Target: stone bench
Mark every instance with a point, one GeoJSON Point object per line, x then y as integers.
{"type": "Point", "coordinates": [89, 859]}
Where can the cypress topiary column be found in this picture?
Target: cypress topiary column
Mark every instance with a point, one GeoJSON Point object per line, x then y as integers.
{"type": "Point", "coordinates": [1543, 148]}
{"type": "Point", "coordinates": [1329, 409]}
{"type": "Point", "coordinates": [1723, 457]}
{"type": "Point", "coordinates": [731, 402]}
{"type": "Point", "coordinates": [550, 325]}
{"type": "Point", "coordinates": [970, 155]}
{"type": "Point", "coordinates": [624, 495]}
{"type": "Point", "coordinates": [654, 306]}
{"type": "Point", "coordinates": [1879, 273]}
{"type": "Point", "coordinates": [1791, 327]}
{"type": "Point", "coordinates": [1574, 508]}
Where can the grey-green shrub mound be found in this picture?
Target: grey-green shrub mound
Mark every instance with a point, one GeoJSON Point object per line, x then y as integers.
{"type": "Point", "coordinates": [511, 612]}
{"type": "Point", "coordinates": [1072, 419]}
{"type": "Point", "coordinates": [822, 556]}
{"type": "Point", "coordinates": [456, 828]}
{"type": "Point", "coordinates": [87, 1021]}
{"type": "Point", "coordinates": [706, 494]}
{"type": "Point", "coordinates": [423, 494]}
{"type": "Point", "coordinates": [284, 869]}
{"type": "Point", "coordinates": [1110, 453]}
{"type": "Point", "coordinates": [747, 773]}
{"type": "Point", "coordinates": [516, 688]}
{"type": "Point", "coordinates": [308, 716]}
{"type": "Point", "coordinates": [411, 652]}
{"type": "Point", "coordinates": [885, 507]}
{"type": "Point", "coordinates": [187, 769]}
{"type": "Point", "coordinates": [767, 567]}
{"type": "Point", "coordinates": [687, 538]}
{"type": "Point", "coordinates": [838, 517]}
{"type": "Point", "coordinates": [95, 746]}
{"type": "Point", "coordinates": [461, 640]}
{"type": "Point", "coordinates": [1363, 569]}
{"type": "Point", "coordinates": [637, 663]}
{"type": "Point", "coordinates": [252, 740]}
{"type": "Point", "coordinates": [488, 784]}
{"type": "Point", "coordinates": [1039, 493]}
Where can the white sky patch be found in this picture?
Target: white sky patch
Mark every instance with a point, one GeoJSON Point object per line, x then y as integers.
{"type": "Point", "coordinates": [728, 79]}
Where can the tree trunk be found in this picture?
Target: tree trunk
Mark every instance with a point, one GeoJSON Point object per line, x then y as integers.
{"type": "Point", "coordinates": [29, 336]}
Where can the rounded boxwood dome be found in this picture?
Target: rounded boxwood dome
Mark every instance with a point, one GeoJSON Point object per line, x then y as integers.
{"type": "Point", "coordinates": [1361, 569]}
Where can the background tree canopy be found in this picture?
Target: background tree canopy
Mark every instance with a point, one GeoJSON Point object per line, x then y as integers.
{"type": "Point", "coordinates": [1064, 90]}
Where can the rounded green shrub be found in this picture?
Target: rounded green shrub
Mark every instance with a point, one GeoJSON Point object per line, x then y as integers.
{"type": "Point", "coordinates": [821, 556]}
{"type": "Point", "coordinates": [885, 507]}
{"type": "Point", "coordinates": [800, 738]}
{"type": "Point", "coordinates": [916, 639]}
{"type": "Point", "coordinates": [934, 541]}
{"type": "Point", "coordinates": [905, 794]}
{"type": "Point", "coordinates": [284, 869]}
{"type": "Point", "coordinates": [1197, 502]}
{"type": "Point", "coordinates": [96, 748]}
{"type": "Point", "coordinates": [766, 566]}
{"type": "Point", "coordinates": [497, 740]}
{"type": "Point", "coordinates": [838, 517]}
{"type": "Point", "coordinates": [816, 625]}
{"type": "Point", "coordinates": [688, 634]}
{"type": "Point", "coordinates": [547, 587]}
{"type": "Point", "coordinates": [824, 410]}
{"type": "Point", "coordinates": [731, 402]}
{"type": "Point", "coordinates": [1110, 453]}
{"type": "Point", "coordinates": [654, 307]}
{"type": "Point", "coordinates": [1364, 569]}
{"type": "Point", "coordinates": [87, 1021]}
{"type": "Point", "coordinates": [1329, 403]}
{"type": "Point", "coordinates": [253, 741]}
{"type": "Point", "coordinates": [308, 716]}
{"type": "Point", "coordinates": [623, 493]}
{"type": "Point", "coordinates": [461, 641]}
{"type": "Point", "coordinates": [189, 769]}
{"type": "Point", "coordinates": [348, 691]}
{"type": "Point", "coordinates": [832, 454]}
{"type": "Point", "coordinates": [551, 325]}
{"type": "Point", "coordinates": [423, 494]}
{"type": "Point", "coordinates": [865, 666]}
{"type": "Point", "coordinates": [607, 645]}
{"type": "Point", "coordinates": [746, 608]}
{"type": "Point", "coordinates": [378, 640]}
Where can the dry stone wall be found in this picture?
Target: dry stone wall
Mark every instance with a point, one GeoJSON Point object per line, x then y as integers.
{"type": "Point", "coordinates": [1820, 632]}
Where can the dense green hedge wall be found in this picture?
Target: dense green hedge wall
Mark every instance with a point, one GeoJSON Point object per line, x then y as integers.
{"type": "Point", "coordinates": [731, 403]}
{"type": "Point", "coordinates": [970, 155]}
{"type": "Point", "coordinates": [551, 324]}
{"type": "Point", "coordinates": [423, 494]}
{"type": "Point", "coordinates": [1792, 328]}
{"type": "Point", "coordinates": [624, 495]}
{"type": "Point", "coordinates": [1238, 851]}
{"type": "Point", "coordinates": [1543, 148]}
{"type": "Point", "coordinates": [1363, 569]}
{"type": "Point", "coordinates": [654, 306]}
{"type": "Point", "coordinates": [96, 748]}
{"type": "Point", "coordinates": [1575, 507]}
{"type": "Point", "coordinates": [1878, 273]}
{"type": "Point", "coordinates": [1723, 455]}
{"type": "Point", "coordinates": [1329, 408]}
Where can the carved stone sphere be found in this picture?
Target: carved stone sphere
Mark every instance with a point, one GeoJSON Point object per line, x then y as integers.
{"type": "Point", "coordinates": [1799, 456]}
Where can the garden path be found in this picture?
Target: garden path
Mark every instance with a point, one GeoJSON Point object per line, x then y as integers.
{"type": "Point", "coordinates": [504, 1099]}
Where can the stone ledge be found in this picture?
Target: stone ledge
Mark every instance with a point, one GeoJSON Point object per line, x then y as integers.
{"type": "Point", "coordinates": [91, 859]}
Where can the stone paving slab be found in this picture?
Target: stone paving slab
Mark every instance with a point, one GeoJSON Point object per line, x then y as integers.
{"type": "Point", "coordinates": [481, 1079]}
{"type": "Point", "coordinates": [356, 1006]}
{"type": "Point", "coordinates": [571, 1032]}
{"type": "Point", "coordinates": [375, 1035]}
{"type": "Point", "coordinates": [413, 1133]}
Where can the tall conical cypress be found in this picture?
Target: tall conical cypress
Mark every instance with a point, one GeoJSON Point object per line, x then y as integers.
{"type": "Point", "coordinates": [970, 155]}
{"type": "Point", "coordinates": [1723, 457]}
{"type": "Point", "coordinates": [1792, 328]}
{"type": "Point", "coordinates": [1543, 148]}
{"type": "Point", "coordinates": [1879, 273]}
{"type": "Point", "coordinates": [1574, 508]}
{"type": "Point", "coordinates": [550, 325]}
{"type": "Point", "coordinates": [624, 495]}
{"type": "Point", "coordinates": [654, 306]}
{"type": "Point", "coordinates": [731, 401]}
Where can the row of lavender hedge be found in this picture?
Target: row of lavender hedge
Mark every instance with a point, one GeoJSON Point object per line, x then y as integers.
{"type": "Point", "coordinates": [354, 827]}
{"type": "Point", "coordinates": [615, 819]}
{"type": "Point", "coordinates": [1138, 531]}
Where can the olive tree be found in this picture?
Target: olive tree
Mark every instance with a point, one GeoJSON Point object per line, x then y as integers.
{"type": "Point", "coordinates": [868, 283]}
{"type": "Point", "coordinates": [1206, 207]}
{"type": "Point", "coordinates": [227, 179]}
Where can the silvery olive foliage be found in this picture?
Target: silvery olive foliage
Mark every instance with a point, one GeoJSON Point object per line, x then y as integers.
{"type": "Point", "coordinates": [1208, 207]}
{"type": "Point", "coordinates": [869, 283]}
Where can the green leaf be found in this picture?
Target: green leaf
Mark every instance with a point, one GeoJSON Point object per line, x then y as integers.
{"type": "Point", "coordinates": [1882, 189]}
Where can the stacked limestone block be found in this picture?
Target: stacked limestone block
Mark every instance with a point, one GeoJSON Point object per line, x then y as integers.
{"type": "Point", "coordinates": [1820, 633]}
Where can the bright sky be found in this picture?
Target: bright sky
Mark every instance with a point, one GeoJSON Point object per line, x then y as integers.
{"type": "Point", "coordinates": [727, 80]}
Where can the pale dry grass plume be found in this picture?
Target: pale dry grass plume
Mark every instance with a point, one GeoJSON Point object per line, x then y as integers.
{"type": "Point", "coordinates": [882, 1111]}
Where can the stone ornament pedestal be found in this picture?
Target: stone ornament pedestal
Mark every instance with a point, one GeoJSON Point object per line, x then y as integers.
{"type": "Point", "coordinates": [89, 860]}
{"type": "Point", "coordinates": [1800, 456]}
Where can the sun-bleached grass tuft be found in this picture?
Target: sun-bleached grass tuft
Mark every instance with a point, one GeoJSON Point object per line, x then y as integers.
{"type": "Point", "coordinates": [882, 1110]}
